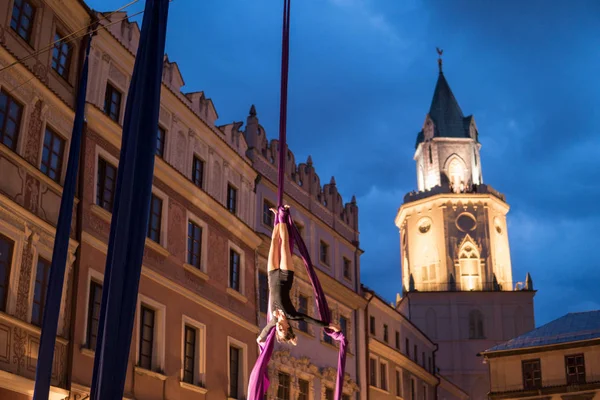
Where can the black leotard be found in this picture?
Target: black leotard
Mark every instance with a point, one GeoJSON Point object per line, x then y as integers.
{"type": "Point", "coordinates": [280, 284]}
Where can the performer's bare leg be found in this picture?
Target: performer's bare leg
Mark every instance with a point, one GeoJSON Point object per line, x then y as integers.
{"type": "Point", "coordinates": [275, 250]}
{"type": "Point", "coordinates": [287, 261]}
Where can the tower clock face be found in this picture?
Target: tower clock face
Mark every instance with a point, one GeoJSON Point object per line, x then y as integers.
{"type": "Point", "coordinates": [424, 225]}
{"type": "Point", "coordinates": [465, 222]}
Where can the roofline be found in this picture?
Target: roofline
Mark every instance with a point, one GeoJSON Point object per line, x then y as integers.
{"type": "Point", "coordinates": [540, 348]}
{"type": "Point", "coordinates": [375, 295]}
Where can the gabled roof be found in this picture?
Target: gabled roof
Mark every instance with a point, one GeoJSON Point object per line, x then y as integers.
{"type": "Point", "coordinates": [446, 113]}
{"type": "Point", "coordinates": [573, 327]}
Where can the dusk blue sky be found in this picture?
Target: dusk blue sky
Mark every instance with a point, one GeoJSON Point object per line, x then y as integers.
{"type": "Point", "coordinates": [362, 74]}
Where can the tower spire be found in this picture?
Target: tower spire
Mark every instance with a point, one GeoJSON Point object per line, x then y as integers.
{"type": "Point", "coordinates": [440, 52]}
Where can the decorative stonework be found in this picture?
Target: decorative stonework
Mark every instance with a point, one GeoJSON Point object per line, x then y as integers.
{"type": "Point", "coordinates": [19, 349]}
{"type": "Point", "coordinates": [34, 131]}
{"type": "Point", "coordinates": [25, 275]}
{"type": "Point", "coordinates": [117, 76]}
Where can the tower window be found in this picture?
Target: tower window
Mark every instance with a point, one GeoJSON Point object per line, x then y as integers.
{"type": "Point", "coordinates": [476, 325]}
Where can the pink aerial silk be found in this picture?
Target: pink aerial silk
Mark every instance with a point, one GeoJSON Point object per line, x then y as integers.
{"type": "Point", "coordinates": [259, 380]}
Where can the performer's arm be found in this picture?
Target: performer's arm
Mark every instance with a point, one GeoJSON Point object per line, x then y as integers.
{"type": "Point", "coordinates": [265, 332]}
{"type": "Point", "coordinates": [303, 317]}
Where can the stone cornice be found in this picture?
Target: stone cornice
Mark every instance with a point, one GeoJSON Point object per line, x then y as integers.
{"type": "Point", "coordinates": [401, 360]}
{"type": "Point", "coordinates": [440, 200]}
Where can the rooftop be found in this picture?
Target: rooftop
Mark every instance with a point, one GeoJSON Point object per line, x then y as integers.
{"type": "Point", "coordinates": [572, 327]}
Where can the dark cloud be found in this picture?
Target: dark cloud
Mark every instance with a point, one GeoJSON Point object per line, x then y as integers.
{"type": "Point", "coordinates": [361, 79]}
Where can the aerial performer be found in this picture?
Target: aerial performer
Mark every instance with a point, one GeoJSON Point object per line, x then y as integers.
{"type": "Point", "coordinates": [280, 265]}
{"type": "Point", "coordinates": [280, 268]}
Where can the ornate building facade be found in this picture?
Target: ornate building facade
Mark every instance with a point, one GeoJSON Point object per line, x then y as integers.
{"type": "Point", "coordinates": [456, 268]}
{"type": "Point", "coordinates": [37, 99]}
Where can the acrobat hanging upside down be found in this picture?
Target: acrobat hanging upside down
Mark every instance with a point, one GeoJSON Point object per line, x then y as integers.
{"type": "Point", "coordinates": [281, 278]}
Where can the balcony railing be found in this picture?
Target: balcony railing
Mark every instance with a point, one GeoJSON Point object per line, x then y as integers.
{"type": "Point", "coordinates": [547, 387]}
{"type": "Point", "coordinates": [467, 287]}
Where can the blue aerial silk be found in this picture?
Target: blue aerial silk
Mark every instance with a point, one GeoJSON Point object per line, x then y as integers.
{"type": "Point", "coordinates": [51, 312]}
{"type": "Point", "coordinates": [131, 208]}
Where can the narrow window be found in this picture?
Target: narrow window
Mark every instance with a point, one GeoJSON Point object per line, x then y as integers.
{"type": "Point", "coordinates": [154, 225]}
{"type": "Point", "coordinates": [146, 337]}
{"type": "Point", "coordinates": [61, 56]}
{"type": "Point", "coordinates": [268, 216]}
{"type": "Point", "coordinates": [189, 357]}
{"type": "Point", "coordinates": [303, 308]}
{"type": "Point", "coordinates": [52, 155]}
{"type": "Point", "coordinates": [198, 172]}
{"type": "Point", "coordinates": [231, 199]}
{"type": "Point", "coordinates": [194, 255]}
{"type": "Point", "coordinates": [106, 184]}
{"type": "Point", "coordinates": [39, 291]}
{"type": "Point", "coordinates": [385, 333]}
{"type": "Point", "coordinates": [372, 372]}
{"type": "Point", "coordinates": [532, 374]}
{"type": "Point", "coordinates": [234, 270]}
{"type": "Point", "coordinates": [347, 269]}
{"type": "Point", "coordinates": [93, 318]}
{"type": "Point", "coordinates": [10, 120]}
{"type": "Point", "coordinates": [234, 371]}
{"type": "Point", "coordinates": [383, 376]}
{"type": "Point", "coordinates": [160, 142]}
{"type": "Point", "coordinates": [324, 253]}
{"type": "Point", "coordinates": [372, 324]}
{"type": "Point", "coordinates": [575, 366]}
{"type": "Point", "coordinates": [112, 103]}
{"type": "Point", "coordinates": [303, 389]}
{"type": "Point", "coordinates": [22, 19]}
{"type": "Point", "coordinates": [283, 389]}
{"type": "Point", "coordinates": [263, 288]}
{"type": "Point", "coordinates": [398, 340]}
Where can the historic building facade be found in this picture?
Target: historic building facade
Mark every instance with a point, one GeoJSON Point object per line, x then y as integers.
{"type": "Point", "coordinates": [401, 359]}
{"type": "Point", "coordinates": [195, 326]}
{"type": "Point", "coordinates": [330, 230]}
{"type": "Point", "coordinates": [37, 98]}
{"type": "Point", "coordinates": [557, 361]}
{"type": "Point", "coordinates": [456, 268]}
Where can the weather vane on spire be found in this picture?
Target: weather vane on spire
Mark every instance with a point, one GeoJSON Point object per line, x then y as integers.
{"type": "Point", "coordinates": [440, 52]}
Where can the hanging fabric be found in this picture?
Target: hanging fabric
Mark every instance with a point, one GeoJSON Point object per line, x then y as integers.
{"type": "Point", "coordinates": [51, 312]}
{"type": "Point", "coordinates": [259, 380]}
{"type": "Point", "coordinates": [131, 208]}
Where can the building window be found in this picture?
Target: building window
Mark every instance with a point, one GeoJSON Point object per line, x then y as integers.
{"type": "Point", "coordinates": [22, 18]}
{"type": "Point", "coordinates": [146, 337]}
{"type": "Point", "coordinates": [234, 270]}
{"type": "Point", "coordinates": [327, 339]}
{"type": "Point", "coordinates": [416, 354]}
{"type": "Point", "coordinates": [112, 103]}
{"type": "Point", "coordinates": [328, 394]}
{"type": "Point", "coordinates": [372, 324]}
{"type": "Point", "coordinates": [39, 291]}
{"type": "Point", "coordinates": [106, 184]}
{"type": "Point", "coordinates": [344, 326]}
{"type": "Point", "coordinates": [61, 56]}
{"type": "Point", "coordinates": [198, 172]}
{"type": "Point", "coordinates": [160, 142]}
{"type": "Point", "coordinates": [303, 389]}
{"type": "Point", "coordinates": [373, 372]}
{"type": "Point", "coordinates": [234, 371]}
{"type": "Point", "coordinates": [299, 228]}
{"type": "Point", "coordinates": [413, 393]}
{"type": "Point", "coordinates": [398, 340]}
{"type": "Point", "coordinates": [93, 317]}
{"type": "Point", "coordinates": [52, 155]}
{"type": "Point", "coordinates": [424, 392]}
{"type": "Point", "coordinates": [283, 389]}
{"type": "Point", "coordinates": [231, 199]}
{"type": "Point", "coordinates": [324, 253]}
{"type": "Point", "coordinates": [476, 325]}
{"type": "Point", "coordinates": [194, 245]}
{"type": "Point", "coordinates": [154, 225]}
{"type": "Point", "coordinates": [430, 365]}
{"type": "Point", "coordinates": [10, 120]}
{"type": "Point", "coordinates": [263, 289]}
{"type": "Point", "coordinates": [575, 365]}
{"type": "Point", "coordinates": [303, 308]}
{"type": "Point", "coordinates": [189, 355]}
{"type": "Point", "coordinates": [398, 387]}
{"type": "Point", "coordinates": [407, 345]}
{"type": "Point", "coordinates": [383, 377]}
{"type": "Point", "coordinates": [532, 374]}
{"type": "Point", "coordinates": [423, 359]}
{"type": "Point", "coordinates": [268, 216]}
{"type": "Point", "coordinates": [385, 333]}
{"type": "Point", "coordinates": [347, 268]}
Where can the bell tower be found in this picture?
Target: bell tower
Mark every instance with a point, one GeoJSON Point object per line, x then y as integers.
{"type": "Point", "coordinates": [457, 282]}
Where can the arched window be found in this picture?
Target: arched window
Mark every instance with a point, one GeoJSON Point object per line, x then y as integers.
{"type": "Point", "coordinates": [476, 325]}
{"type": "Point", "coordinates": [456, 173]}
{"type": "Point", "coordinates": [470, 278]}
